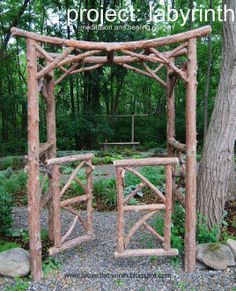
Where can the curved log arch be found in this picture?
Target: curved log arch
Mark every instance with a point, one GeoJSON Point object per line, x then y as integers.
{"type": "Point", "coordinates": [114, 46]}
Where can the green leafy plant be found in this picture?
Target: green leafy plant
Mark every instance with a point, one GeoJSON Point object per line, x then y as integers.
{"type": "Point", "coordinates": [11, 162]}
{"type": "Point", "coordinates": [182, 285]}
{"type": "Point", "coordinates": [106, 190]}
{"type": "Point", "coordinates": [110, 195]}
{"type": "Point", "coordinates": [44, 234]}
{"type": "Point", "coordinates": [176, 262]}
{"type": "Point", "coordinates": [8, 245]}
{"type": "Point", "coordinates": [119, 282]}
{"type": "Point", "coordinates": [23, 233]}
{"type": "Point", "coordinates": [6, 207]}
{"type": "Point", "coordinates": [76, 188]}
{"type": "Point", "coordinates": [50, 265]}
{"type": "Point", "coordinates": [5, 174]}
{"type": "Point", "coordinates": [132, 201]}
{"type": "Point", "coordinates": [44, 182]}
{"type": "Point", "coordinates": [156, 175]}
{"type": "Point", "coordinates": [131, 188]}
{"type": "Point", "coordinates": [20, 285]}
{"type": "Point", "coordinates": [204, 235]}
{"type": "Point", "coordinates": [15, 183]}
{"type": "Point", "coordinates": [66, 170]}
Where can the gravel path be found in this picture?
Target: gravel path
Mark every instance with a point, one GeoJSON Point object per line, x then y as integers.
{"type": "Point", "coordinates": [93, 266]}
{"type": "Point", "coordinates": [100, 172]}
{"type": "Point", "coordinates": [104, 172]}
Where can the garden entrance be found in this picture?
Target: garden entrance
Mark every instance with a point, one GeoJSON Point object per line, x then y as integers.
{"type": "Point", "coordinates": [147, 57]}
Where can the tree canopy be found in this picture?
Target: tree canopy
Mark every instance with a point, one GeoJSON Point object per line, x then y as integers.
{"type": "Point", "coordinates": [108, 90]}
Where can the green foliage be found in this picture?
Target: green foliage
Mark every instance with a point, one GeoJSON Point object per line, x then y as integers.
{"type": "Point", "coordinates": [5, 174]}
{"type": "Point", "coordinates": [24, 234]}
{"type": "Point", "coordinates": [107, 157]}
{"type": "Point", "coordinates": [177, 230]}
{"type": "Point", "coordinates": [106, 190]}
{"type": "Point", "coordinates": [11, 162]}
{"type": "Point", "coordinates": [109, 90]}
{"type": "Point", "coordinates": [66, 170]}
{"type": "Point", "coordinates": [44, 182]}
{"type": "Point", "coordinates": [119, 282]}
{"type": "Point", "coordinates": [15, 183]}
{"type": "Point", "coordinates": [50, 265]}
{"type": "Point", "coordinates": [133, 201]}
{"type": "Point", "coordinates": [224, 236]}
{"type": "Point", "coordinates": [131, 188]}
{"type": "Point", "coordinates": [76, 188]}
{"type": "Point", "coordinates": [204, 235]}
{"type": "Point", "coordinates": [156, 175]}
{"type": "Point", "coordinates": [44, 234]}
{"type": "Point", "coordinates": [21, 284]}
{"type": "Point", "coordinates": [6, 207]}
{"type": "Point", "coordinates": [8, 245]}
{"type": "Point", "coordinates": [182, 285]}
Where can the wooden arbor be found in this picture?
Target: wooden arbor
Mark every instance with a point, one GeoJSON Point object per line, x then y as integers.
{"type": "Point", "coordinates": [81, 56]}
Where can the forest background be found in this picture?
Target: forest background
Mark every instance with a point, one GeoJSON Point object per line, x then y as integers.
{"type": "Point", "coordinates": [83, 98]}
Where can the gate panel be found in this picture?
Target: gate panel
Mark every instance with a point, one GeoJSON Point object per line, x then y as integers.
{"type": "Point", "coordinates": [150, 209]}
{"type": "Point", "coordinates": [62, 242]}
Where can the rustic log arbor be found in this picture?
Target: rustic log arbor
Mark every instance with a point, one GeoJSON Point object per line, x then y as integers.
{"type": "Point", "coordinates": [81, 56]}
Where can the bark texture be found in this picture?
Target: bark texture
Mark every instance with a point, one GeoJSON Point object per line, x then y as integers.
{"type": "Point", "coordinates": [215, 170]}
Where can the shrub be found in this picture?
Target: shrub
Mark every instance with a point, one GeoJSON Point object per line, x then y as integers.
{"type": "Point", "coordinates": [11, 162]}
{"type": "Point", "coordinates": [16, 183]}
{"type": "Point", "coordinates": [6, 207]}
{"type": "Point", "coordinates": [204, 235]}
{"type": "Point", "coordinates": [76, 188]}
{"type": "Point", "coordinates": [5, 174]}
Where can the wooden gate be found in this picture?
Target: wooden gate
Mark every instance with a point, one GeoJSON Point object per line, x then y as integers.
{"type": "Point", "coordinates": [62, 242]}
{"type": "Point", "coordinates": [151, 209]}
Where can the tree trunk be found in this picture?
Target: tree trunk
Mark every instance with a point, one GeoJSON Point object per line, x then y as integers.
{"type": "Point", "coordinates": [216, 165]}
{"type": "Point", "coordinates": [208, 76]}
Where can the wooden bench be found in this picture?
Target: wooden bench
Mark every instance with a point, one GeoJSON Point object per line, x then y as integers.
{"type": "Point", "coordinates": [106, 145]}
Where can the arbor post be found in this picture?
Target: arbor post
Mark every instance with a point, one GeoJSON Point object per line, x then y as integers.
{"type": "Point", "coordinates": [170, 112]}
{"type": "Point", "coordinates": [34, 193]}
{"type": "Point", "coordinates": [170, 92]}
{"type": "Point", "coordinates": [51, 137]}
{"type": "Point", "coordinates": [191, 143]}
